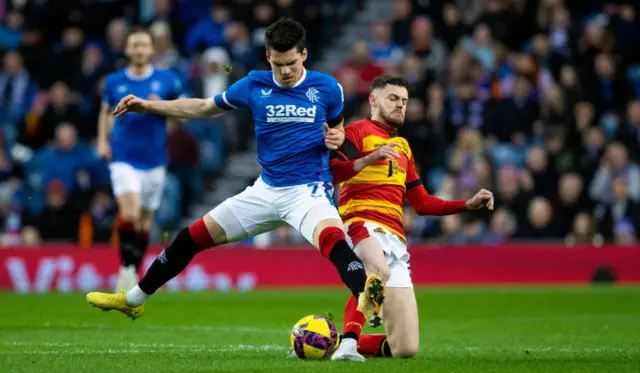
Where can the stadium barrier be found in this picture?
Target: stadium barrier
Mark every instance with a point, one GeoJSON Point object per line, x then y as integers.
{"type": "Point", "coordinates": [68, 268]}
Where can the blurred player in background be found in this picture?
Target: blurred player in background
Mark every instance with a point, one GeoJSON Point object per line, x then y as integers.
{"type": "Point", "coordinates": [136, 145]}
{"type": "Point", "coordinates": [298, 118]}
{"type": "Point", "coordinates": [377, 172]}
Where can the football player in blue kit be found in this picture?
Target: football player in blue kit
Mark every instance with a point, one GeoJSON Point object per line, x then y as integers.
{"type": "Point", "coordinates": [136, 146]}
{"type": "Point", "coordinates": [298, 120]}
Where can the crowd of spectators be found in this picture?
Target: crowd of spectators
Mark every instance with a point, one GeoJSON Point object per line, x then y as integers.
{"type": "Point", "coordinates": [55, 55]}
{"type": "Point", "coordinates": [536, 100]}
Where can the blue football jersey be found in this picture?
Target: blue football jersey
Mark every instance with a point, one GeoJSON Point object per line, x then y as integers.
{"type": "Point", "coordinates": [140, 139]}
{"type": "Point", "coordinates": [289, 123]}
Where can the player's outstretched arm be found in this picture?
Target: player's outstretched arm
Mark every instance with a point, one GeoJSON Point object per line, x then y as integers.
{"type": "Point", "coordinates": [184, 108]}
{"type": "Point", "coordinates": [426, 204]}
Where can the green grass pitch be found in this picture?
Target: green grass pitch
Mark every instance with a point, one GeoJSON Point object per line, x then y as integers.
{"type": "Point", "coordinates": [585, 329]}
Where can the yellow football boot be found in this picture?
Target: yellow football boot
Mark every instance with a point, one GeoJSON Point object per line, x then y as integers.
{"type": "Point", "coordinates": [370, 301]}
{"type": "Point", "coordinates": [117, 301]}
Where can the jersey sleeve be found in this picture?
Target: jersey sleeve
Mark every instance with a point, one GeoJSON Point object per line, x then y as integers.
{"type": "Point", "coordinates": [336, 99]}
{"type": "Point", "coordinates": [413, 179]}
{"type": "Point", "coordinates": [108, 97]}
{"type": "Point", "coordinates": [424, 203]}
{"type": "Point", "coordinates": [236, 95]}
{"type": "Point", "coordinates": [343, 160]}
{"type": "Point", "coordinates": [352, 146]}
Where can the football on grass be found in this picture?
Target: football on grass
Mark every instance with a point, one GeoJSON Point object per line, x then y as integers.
{"type": "Point", "coordinates": [314, 338]}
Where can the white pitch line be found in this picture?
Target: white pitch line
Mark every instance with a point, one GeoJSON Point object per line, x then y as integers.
{"type": "Point", "coordinates": [531, 350]}
{"type": "Point", "coordinates": [42, 344]}
{"type": "Point", "coordinates": [238, 329]}
{"type": "Point", "coordinates": [80, 352]}
{"type": "Point", "coordinates": [154, 345]}
{"type": "Point", "coordinates": [135, 348]}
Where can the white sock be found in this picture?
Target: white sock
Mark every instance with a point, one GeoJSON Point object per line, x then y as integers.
{"type": "Point", "coordinates": [136, 296]}
{"type": "Point", "coordinates": [349, 344]}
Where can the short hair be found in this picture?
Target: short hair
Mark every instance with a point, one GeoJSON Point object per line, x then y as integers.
{"type": "Point", "coordinates": [285, 34]}
{"type": "Point", "coordinates": [385, 80]}
{"type": "Point", "coordinates": [137, 30]}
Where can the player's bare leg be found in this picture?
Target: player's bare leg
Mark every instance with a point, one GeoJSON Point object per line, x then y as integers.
{"type": "Point", "coordinates": [400, 310]}
{"type": "Point", "coordinates": [203, 234]}
{"type": "Point", "coordinates": [370, 252]}
{"type": "Point", "coordinates": [372, 256]}
{"type": "Point", "coordinates": [330, 239]}
{"type": "Point", "coordinates": [401, 322]}
{"type": "Point", "coordinates": [130, 256]}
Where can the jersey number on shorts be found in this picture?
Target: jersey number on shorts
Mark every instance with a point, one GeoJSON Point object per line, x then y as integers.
{"type": "Point", "coordinates": [315, 192]}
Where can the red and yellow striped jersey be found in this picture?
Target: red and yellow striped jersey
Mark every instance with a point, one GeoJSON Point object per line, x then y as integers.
{"type": "Point", "coordinates": [377, 193]}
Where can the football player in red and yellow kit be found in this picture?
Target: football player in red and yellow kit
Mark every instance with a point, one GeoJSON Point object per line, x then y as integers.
{"type": "Point", "coordinates": [376, 173]}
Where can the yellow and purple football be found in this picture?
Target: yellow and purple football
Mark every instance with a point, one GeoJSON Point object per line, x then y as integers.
{"type": "Point", "coordinates": [314, 338]}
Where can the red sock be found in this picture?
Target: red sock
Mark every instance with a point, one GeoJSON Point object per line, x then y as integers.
{"type": "Point", "coordinates": [374, 345]}
{"type": "Point", "coordinates": [127, 226]}
{"type": "Point", "coordinates": [328, 238]}
{"type": "Point", "coordinates": [353, 319]}
{"type": "Point", "coordinates": [200, 235]}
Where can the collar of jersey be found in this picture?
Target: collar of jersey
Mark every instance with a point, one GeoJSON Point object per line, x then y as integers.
{"type": "Point", "coordinates": [132, 76]}
{"type": "Point", "coordinates": [302, 78]}
{"type": "Point", "coordinates": [388, 129]}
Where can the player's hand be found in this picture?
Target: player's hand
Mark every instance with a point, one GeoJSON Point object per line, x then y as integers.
{"type": "Point", "coordinates": [386, 151]}
{"type": "Point", "coordinates": [104, 150]}
{"type": "Point", "coordinates": [483, 198]}
{"type": "Point", "coordinates": [333, 137]}
{"type": "Point", "coordinates": [130, 104]}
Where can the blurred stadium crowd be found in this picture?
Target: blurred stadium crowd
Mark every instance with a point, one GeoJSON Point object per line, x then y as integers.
{"type": "Point", "coordinates": [55, 55]}
{"type": "Point", "coordinates": [538, 101]}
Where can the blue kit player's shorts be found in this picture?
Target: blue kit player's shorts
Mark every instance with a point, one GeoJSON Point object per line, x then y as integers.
{"type": "Point", "coordinates": [148, 183]}
{"type": "Point", "coordinates": [261, 208]}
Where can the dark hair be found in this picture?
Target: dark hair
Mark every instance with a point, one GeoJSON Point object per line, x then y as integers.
{"type": "Point", "coordinates": [137, 30]}
{"type": "Point", "coordinates": [285, 34]}
{"type": "Point", "coordinates": [382, 81]}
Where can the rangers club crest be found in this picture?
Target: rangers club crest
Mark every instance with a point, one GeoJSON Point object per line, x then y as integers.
{"type": "Point", "coordinates": [312, 95]}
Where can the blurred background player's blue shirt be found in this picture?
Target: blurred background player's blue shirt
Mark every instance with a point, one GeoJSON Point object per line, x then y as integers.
{"type": "Point", "coordinates": [289, 123]}
{"type": "Point", "coordinates": [140, 139]}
